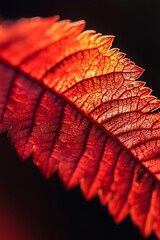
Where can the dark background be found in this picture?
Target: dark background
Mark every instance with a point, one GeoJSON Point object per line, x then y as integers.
{"type": "Point", "coordinates": [48, 210]}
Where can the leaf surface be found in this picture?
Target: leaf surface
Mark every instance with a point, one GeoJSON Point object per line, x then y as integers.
{"type": "Point", "coordinates": [72, 102]}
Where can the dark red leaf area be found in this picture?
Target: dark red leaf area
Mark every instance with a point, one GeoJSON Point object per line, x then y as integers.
{"type": "Point", "coordinates": [73, 103]}
{"type": "Point", "coordinates": [61, 137]}
{"type": "Point", "coordinates": [49, 210]}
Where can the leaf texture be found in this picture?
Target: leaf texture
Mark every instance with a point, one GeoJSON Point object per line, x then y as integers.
{"type": "Point", "coordinates": [72, 102]}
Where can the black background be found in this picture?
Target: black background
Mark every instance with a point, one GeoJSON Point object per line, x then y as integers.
{"type": "Point", "coordinates": [48, 209]}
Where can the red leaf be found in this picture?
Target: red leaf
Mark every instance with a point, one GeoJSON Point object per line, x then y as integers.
{"type": "Point", "coordinates": [73, 102]}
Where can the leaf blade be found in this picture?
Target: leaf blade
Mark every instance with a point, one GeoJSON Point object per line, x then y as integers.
{"type": "Point", "coordinates": [88, 92]}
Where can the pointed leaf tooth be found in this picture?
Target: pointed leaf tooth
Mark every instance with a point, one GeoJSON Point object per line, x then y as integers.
{"type": "Point", "coordinates": [84, 36]}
